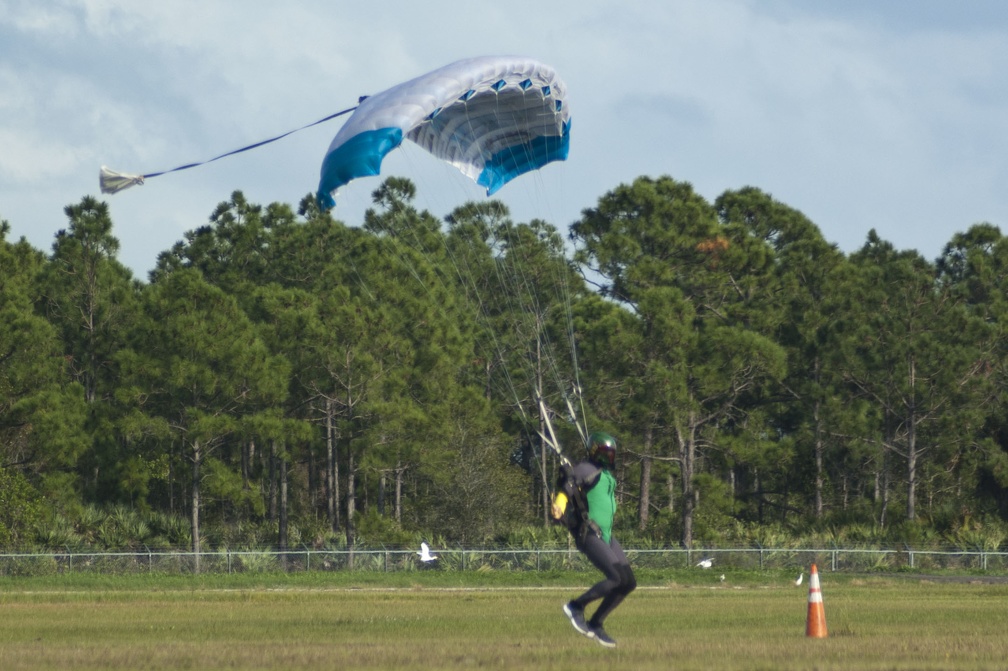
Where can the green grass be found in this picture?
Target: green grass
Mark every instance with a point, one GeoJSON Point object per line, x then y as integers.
{"type": "Point", "coordinates": [447, 620]}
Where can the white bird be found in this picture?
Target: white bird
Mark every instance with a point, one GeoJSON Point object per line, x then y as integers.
{"type": "Point", "coordinates": [800, 576]}
{"type": "Point", "coordinates": [425, 554]}
{"type": "Point", "coordinates": [705, 563]}
{"type": "Point", "coordinates": [722, 577]}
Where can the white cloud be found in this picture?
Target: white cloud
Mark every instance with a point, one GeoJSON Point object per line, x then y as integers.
{"type": "Point", "coordinates": [41, 19]}
{"type": "Point", "coordinates": [847, 111]}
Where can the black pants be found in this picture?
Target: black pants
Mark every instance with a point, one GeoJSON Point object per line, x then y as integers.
{"type": "Point", "coordinates": [619, 578]}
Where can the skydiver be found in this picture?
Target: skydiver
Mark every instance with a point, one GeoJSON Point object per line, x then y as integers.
{"type": "Point", "coordinates": [586, 502]}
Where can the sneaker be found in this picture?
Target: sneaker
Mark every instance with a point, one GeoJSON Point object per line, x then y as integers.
{"type": "Point", "coordinates": [602, 637]}
{"type": "Point", "coordinates": [576, 616]}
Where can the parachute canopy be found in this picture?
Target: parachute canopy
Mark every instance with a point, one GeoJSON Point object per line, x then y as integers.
{"type": "Point", "coordinates": [493, 118]}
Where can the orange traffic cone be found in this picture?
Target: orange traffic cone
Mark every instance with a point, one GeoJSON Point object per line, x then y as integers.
{"type": "Point", "coordinates": [815, 623]}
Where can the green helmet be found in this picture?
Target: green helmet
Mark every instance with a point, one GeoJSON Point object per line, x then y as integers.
{"type": "Point", "coordinates": [602, 450]}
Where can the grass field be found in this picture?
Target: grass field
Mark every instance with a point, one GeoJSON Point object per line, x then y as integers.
{"type": "Point", "coordinates": [452, 620]}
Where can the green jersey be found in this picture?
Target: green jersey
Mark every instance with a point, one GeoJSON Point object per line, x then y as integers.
{"type": "Point", "coordinates": [602, 503]}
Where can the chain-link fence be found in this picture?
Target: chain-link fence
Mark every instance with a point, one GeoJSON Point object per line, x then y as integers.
{"type": "Point", "coordinates": [265, 561]}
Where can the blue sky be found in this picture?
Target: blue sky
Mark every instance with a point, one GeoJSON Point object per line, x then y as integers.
{"type": "Point", "coordinates": [885, 115]}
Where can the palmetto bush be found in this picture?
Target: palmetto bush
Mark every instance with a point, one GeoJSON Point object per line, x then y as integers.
{"type": "Point", "coordinates": [110, 536]}
{"type": "Point", "coordinates": [983, 539]}
{"type": "Point", "coordinates": [59, 533]}
{"type": "Point", "coordinates": [256, 562]}
{"type": "Point", "coordinates": [168, 531]}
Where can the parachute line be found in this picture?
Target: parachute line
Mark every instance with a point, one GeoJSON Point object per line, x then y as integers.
{"type": "Point", "coordinates": [509, 117]}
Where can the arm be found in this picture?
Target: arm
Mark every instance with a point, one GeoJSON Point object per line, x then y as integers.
{"type": "Point", "coordinates": [562, 496]}
{"type": "Point", "coordinates": [582, 476]}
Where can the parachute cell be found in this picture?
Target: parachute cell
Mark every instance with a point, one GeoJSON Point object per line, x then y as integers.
{"type": "Point", "coordinates": [493, 118]}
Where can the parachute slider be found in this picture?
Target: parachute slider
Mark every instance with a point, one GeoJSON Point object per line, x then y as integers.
{"type": "Point", "coordinates": [114, 182]}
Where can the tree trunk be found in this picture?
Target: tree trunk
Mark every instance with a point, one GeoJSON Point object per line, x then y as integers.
{"type": "Point", "coordinates": [911, 468]}
{"type": "Point", "coordinates": [645, 493]}
{"type": "Point", "coordinates": [670, 486]}
{"type": "Point", "coordinates": [333, 445]}
{"type": "Point", "coordinates": [272, 492]}
{"type": "Point", "coordinates": [282, 544]}
{"type": "Point", "coordinates": [171, 481]}
{"type": "Point", "coordinates": [332, 511]}
{"type": "Point", "coordinates": [687, 457]}
{"type": "Point", "coordinates": [884, 487]}
{"type": "Point", "coordinates": [819, 447]}
{"type": "Point", "coordinates": [247, 449]}
{"type": "Point", "coordinates": [911, 427]}
{"type": "Point", "coordinates": [363, 503]}
{"type": "Point", "coordinates": [398, 492]}
{"type": "Point", "coordinates": [195, 520]}
{"type": "Point", "coordinates": [313, 479]}
{"type": "Point", "coordinates": [543, 499]}
{"type": "Point", "coordinates": [351, 507]}
{"type": "Point", "coordinates": [543, 483]}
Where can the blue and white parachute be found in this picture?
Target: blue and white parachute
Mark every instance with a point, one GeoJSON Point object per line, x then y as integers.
{"type": "Point", "coordinates": [493, 118]}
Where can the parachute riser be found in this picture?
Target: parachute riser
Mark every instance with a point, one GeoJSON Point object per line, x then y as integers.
{"type": "Point", "coordinates": [549, 437]}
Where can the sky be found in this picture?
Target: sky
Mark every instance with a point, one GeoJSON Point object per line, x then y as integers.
{"type": "Point", "coordinates": [861, 114]}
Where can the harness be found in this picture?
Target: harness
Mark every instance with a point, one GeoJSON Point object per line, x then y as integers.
{"type": "Point", "coordinates": [576, 514]}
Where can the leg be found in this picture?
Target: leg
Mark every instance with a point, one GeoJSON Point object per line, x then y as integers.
{"type": "Point", "coordinates": [601, 555]}
{"type": "Point", "coordinates": [606, 560]}
{"type": "Point", "coordinates": [626, 582]}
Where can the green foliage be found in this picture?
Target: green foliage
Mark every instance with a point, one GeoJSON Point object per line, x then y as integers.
{"type": "Point", "coordinates": [223, 488]}
{"type": "Point", "coordinates": [537, 537]}
{"type": "Point", "coordinates": [296, 376]}
{"type": "Point", "coordinates": [21, 510]}
{"type": "Point", "coordinates": [42, 413]}
{"type": "Point", "coordinates": [716, 513]}
{"type": "Point", "coordinates": [376, 531]}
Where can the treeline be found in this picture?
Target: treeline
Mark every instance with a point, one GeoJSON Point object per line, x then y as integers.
{"type": "Point", "coordinates": [284, 379]}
